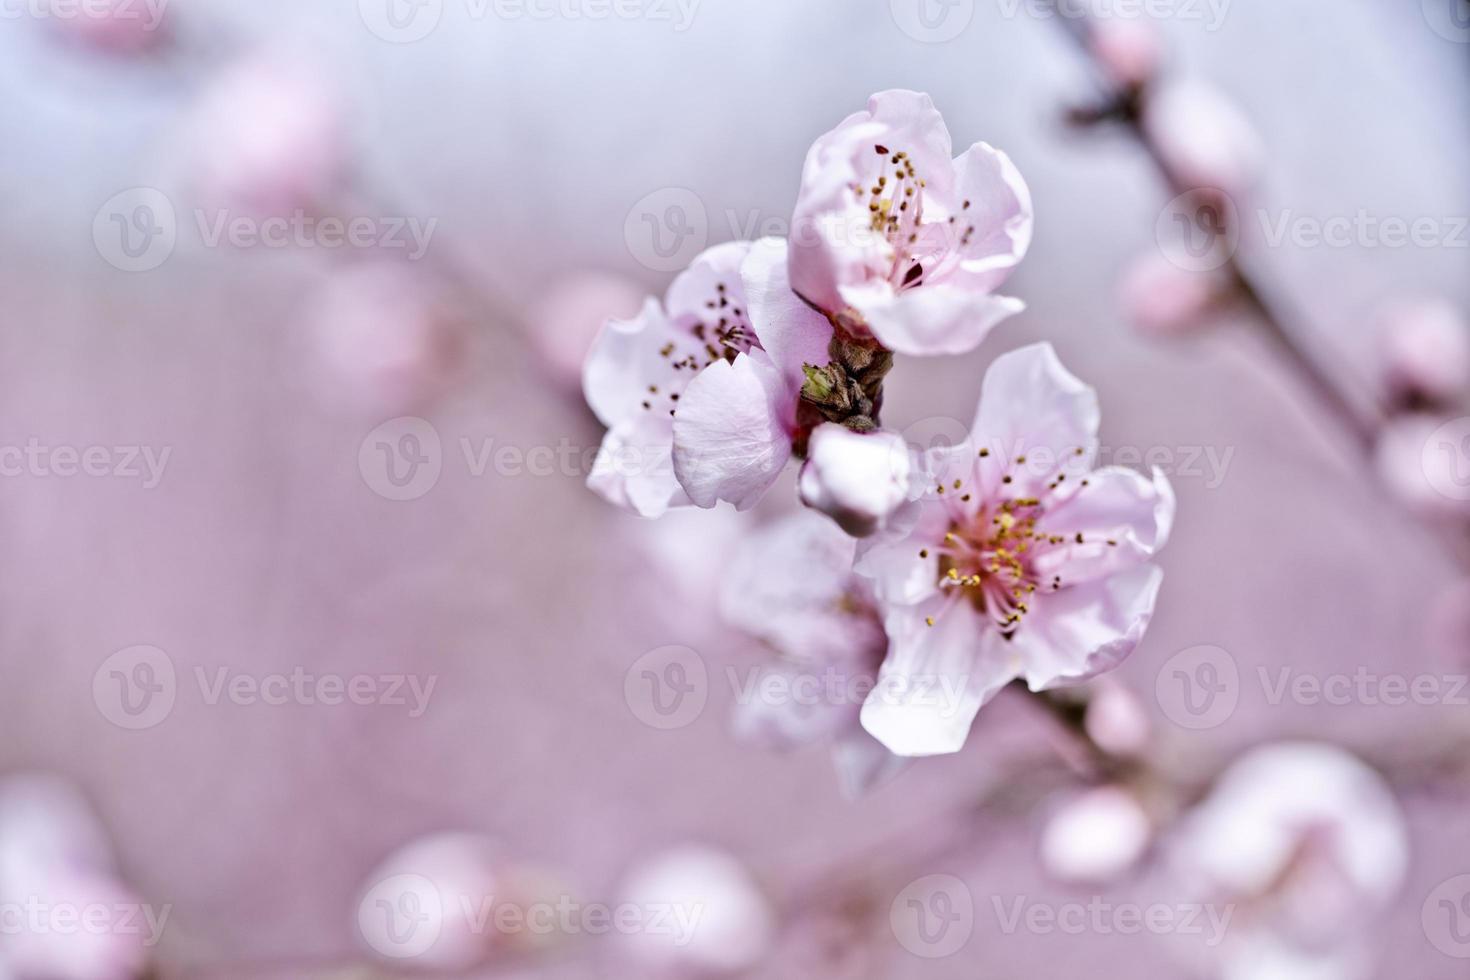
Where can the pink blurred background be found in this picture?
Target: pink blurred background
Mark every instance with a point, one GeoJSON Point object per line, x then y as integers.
{"type": "Point", "coordinates": [533, 144]}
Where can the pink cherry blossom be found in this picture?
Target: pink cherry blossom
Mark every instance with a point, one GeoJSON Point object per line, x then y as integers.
{"type": "Point", "coordinates": [1308, 846]}
{"type": "Point", "coordinates": [1128, 50]}
{"type": "Point", "coordinates": [856, 478]}
{"type": "Point", "coordinates": [792, 586]}
{"type": "Point", "coordinates": [1016, 561]}
{"type": "Point", "coordinates": [738, 421]}
{"type": "Point", "coordinates": [894, 236]}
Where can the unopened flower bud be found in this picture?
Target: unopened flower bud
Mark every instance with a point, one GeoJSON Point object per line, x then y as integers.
{"type": "Point", "coordinates": [1426, 350]}
{"type": "Point", "coordinates": [1128, 50]}
{"type": "Point", "coordinates": [718, 921]}
{"type": "Point", "coordinates": [1095, 837]}
{"type": "Point", "coordinates": [857, 479]}
{"type": "Point", "coordinates": [1116, 720]}
{"type": "Point", "coordinates": [120, 27]}
{"type": "Point", "coordinates": [1205, 140]}
{"type": "Point", "coordinates": [1161, 299]}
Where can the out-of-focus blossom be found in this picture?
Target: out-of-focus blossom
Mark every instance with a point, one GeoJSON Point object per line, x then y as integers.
{"type": "Point", "coordinates": [1204, 138]}
{"type": "Point", "coordinates": [792, 586]}
{"type": "Point", "coordinates": [857, 479]}
{"type": "Point", "coordinates": [1160, 299]}
{"type": "Point", "coordinates": [1417, 477]}
{"type": "Point", "coordinates": [54, 855]}
{"type": "Point", "coordinates": [716, 919]}
{"type": "Point", "coordinates": [1018, 560]}
{"type": "Point", "coordinates": [738, 421]}
{"type": "Point", "coordinates": [892, 236]}
{"type": "Point", "coordinates": [432, 904]}
{"type": "Point", "coordinates": [384, 343]}
{"type": "Point", "coordinates": [1308, 846]}
{"type": "Point", "coordinates": [690, 552]}
{"type": "Point", "coordinates": [1116, 719]}
{"type": "Point", "coordinates": [699, 395]}
{"type": "Point", "coordinates": [114, 26]}
{"type": "Point", "coordinates": [1128, 50]}
{"type": "Point", "coordinates": [1426, 350]}
{"type": "Point", "coordinates": [564, 321]}
{"type": "Point", "coordinates": [1096, 836]}
{"type": "Point", "coordinates": [269, 138]}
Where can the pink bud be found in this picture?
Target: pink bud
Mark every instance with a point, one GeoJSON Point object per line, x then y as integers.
{"type": "Point", "coordinates": [722, 923]}
{"type": "Point", "coordinates": [111, 26]}
{"type": "Point", "coordinates": [1161, 299]}
{"type": "Point", "coordinates": [1426, 349]}
{"type": "Point", "coordinates": [1420, 467]}
{"type": "Point", "coordinates": [857, 479]}
{"type": "Point", "coordinates": [384, 344]}
{"type": "Point", "coordinates": [564, 321]}
{"type": "Point", "coordinates": [430, 904]}
{"type": "Point", "coordinates": [1096, 836]}
{"type": "Point", "coordinates": [1204, 138]}
{"type": "Point", "coordinates": [1128, 50]}
{"type": "Point", "coordinates": [268, 138]}
{"type": "Point", "coordinates": [1116, 720]}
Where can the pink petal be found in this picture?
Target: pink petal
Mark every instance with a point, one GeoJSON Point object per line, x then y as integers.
{"type": "Point", "coordinates": [857, 479]}
{"type": "Point", "coordinates": [1082, 631]}
{"type": "Point", "coordinates": [715, 266]}
{"type": "Point", "coordinates": [634, 468]}
{"type": "Point", "coordinates": [929, 320]}
{"type": "Point", "coordinates": [792, 333]}
{"type": "Point", "coordinates": [1030, 405]}
{"type": "Point", "coordinates": [624, 355]}
{"type": "Point", "coordinates": [999, 213]}
{"type": "Point", "coordinates": [903, 567]}
{"type": "Point", "coordinates": [731, 435]}
{"type": "Point", "coordinates": [936, 678]}
{"type": "Point", "coordinates": [863, 763]}
{"type": "Point", "coordinates": [1118, 505]}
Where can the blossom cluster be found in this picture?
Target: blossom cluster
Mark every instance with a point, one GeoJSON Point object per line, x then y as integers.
{"type": "Point", "coordinates": [960, 569]}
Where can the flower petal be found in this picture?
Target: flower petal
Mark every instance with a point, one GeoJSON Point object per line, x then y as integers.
{"type": "Point", "coordinates": [791, 332]}
{"type": "Point", "coordinates": [698, 285]}
{"type": "Point", "coordinates": [1033, 408]}
{"type": "Point", "coordinates": [936, 678]}
{"type": "Point", "coordinates": [1082, 631]}
{"type": "Point", "coordinates": [999, 219]}
{"type": "Point", "coordinates": [634, 468]}
{"type": "Point", "coordinates": [623, 360]}
{"type": "Point", "coordinates": [929, 320]}
{"type": "Point", "coordinates": [857, 479]}
{"type": "Point", "coordinates": [731, 433]}
{"type": "Point", "coordinates": [863, 763]}
{"type": "Point", "coordinates": [1117, 505]}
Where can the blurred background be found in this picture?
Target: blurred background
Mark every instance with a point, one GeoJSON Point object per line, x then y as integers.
{"type": "Point", "coordinates": [200, 523]}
